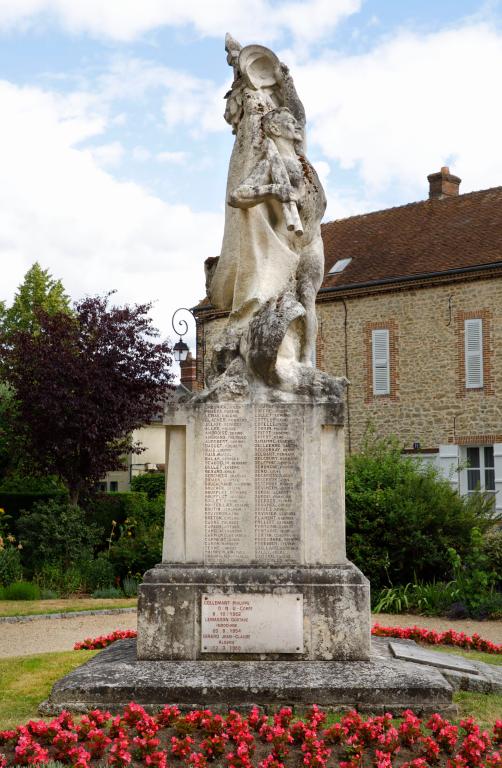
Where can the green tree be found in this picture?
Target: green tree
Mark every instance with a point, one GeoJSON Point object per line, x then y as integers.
{"type": "Point", "coordinates": [84, 383]}
{"type": "Point", "coordinates": [8, 412]}
{"type": "Point", "coordinates": [39, 290]}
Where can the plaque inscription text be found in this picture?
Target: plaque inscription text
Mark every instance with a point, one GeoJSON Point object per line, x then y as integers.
{"type": "Point", "coordinates": [256, 623]}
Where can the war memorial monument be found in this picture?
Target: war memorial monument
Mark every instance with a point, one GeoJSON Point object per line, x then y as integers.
{"type": "Point", "coordinates": [255, 601]}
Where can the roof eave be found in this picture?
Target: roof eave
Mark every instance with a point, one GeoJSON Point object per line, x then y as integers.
{"type": "Point", "coordinates": [397, 280]}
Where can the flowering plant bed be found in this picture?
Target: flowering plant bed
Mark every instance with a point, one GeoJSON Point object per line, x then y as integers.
{"type": "Point", "coordinates": [102, 641]}
{"type": "Point", "coordinates": [200, 737]}
{"type": "Point", "coordinates": [429, 636]}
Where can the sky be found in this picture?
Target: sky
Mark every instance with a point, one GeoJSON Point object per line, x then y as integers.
{"type": "Point", "coordinates": [114, 151]}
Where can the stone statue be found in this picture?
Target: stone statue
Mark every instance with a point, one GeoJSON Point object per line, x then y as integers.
{"type": "Point", "coordinates": [272, 260]}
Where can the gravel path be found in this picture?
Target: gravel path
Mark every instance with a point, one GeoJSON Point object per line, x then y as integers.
{"type": "Point", "coordinates": [27, 638]}
{"type": "Point", "coordinates": [45, 635]}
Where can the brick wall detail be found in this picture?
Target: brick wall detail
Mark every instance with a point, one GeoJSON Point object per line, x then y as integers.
{"type": "Point", "coordinates": [476, 439]}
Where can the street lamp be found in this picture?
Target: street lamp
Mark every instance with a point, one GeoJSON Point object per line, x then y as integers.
{"type": "Point", "coordinates": [180, 349]}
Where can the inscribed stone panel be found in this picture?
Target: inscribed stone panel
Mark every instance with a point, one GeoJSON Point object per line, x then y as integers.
{"type": "Point", "coordinates": [251, 623]}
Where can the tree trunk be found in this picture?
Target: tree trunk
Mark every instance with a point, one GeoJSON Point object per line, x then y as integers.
{"type": "Point", "coordinates": [74, 495]}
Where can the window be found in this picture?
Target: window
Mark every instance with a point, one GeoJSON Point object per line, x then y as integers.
{"type": "Point", "coordinates": [473, 340]}
{"type": "Point", "coordinates": [114, 486]}
{"type": "Point", "coordinates": [480, 469]}
{"type": "Point", "coordinates": [339, 266]}
{"type": "Point", "coordinates": [380, 358]}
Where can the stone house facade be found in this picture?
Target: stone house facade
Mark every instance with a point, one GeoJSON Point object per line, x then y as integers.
{"type": "Point", "coordinates": [410, 311]}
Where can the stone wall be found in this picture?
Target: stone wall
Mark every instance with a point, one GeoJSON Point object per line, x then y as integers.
{"type": "Point", "coordinates": [428, 402]}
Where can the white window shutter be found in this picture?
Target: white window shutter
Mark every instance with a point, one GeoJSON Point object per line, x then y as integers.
{"type": "Point", "coordinates": [497, 460]}
{"type": "Point", "coordinates": [473, 332]}
{"type": "Point", "coordinates": [448, 462]}
{"type": "Point", "coordinates": [381, 367]}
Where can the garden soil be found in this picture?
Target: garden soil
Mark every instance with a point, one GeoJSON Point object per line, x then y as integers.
{"type": "Point", "coordinates": [45, 635]}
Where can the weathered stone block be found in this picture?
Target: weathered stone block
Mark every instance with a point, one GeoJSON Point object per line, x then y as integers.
{"type": "Point", "coordinates": [115, 676]}
{"type": "Point", "coordinates": [336, 606]}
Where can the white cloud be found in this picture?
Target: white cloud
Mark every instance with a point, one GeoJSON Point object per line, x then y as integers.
{"type": "Point", "coordinates": [264, 20]}
{"type": "Point", "coordinates": [323, 170]}
{"type": "Point", "coordinates": [409, 106]}
{"type": "Point", "coordinates": [173, 157]}
{"type": "Point", "coordinates": [96, 233]}
{"type": "Point", "coordinates": [185, 100]}
{"type": "Point", "coordinates": [107, 155]}
{"type": "Point", "coordinates": [141, 154]}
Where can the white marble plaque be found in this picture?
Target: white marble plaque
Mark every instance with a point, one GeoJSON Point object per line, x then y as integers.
{"type": "Point", "coordinates": [229, 499]}
{"type": "Point", "coordinates": [252, 623]}
{"type": "Point", "coordinates": [278, 442]}
{"type": "Point", "coordinates": [253, 483]}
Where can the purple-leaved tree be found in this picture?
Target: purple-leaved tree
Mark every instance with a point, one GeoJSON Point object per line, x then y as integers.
{"type": "Point", "coordinates": [84, 382]}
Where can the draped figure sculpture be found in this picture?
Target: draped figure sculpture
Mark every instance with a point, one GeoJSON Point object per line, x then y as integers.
{"type": "Point", "coordinates": [272, 258]}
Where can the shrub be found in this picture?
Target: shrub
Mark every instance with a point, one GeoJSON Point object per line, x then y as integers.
{"type": "Point", "coordinates": [56, 533]}
{"type": "Point", "coordinates": [17, 503]}
{"type": "Point", "coordinates": [427, 599]}
{"type": "Point", "coordinates": [107, 510]}
{"type": "Point", "coordinates": [10, 562]}
{"type": "Point", "coordinates": [21, 590]}
{"type": "Point", "coordinates": [138, 543]}
{"type": "Point", "coordinates": [48, 594]}
{"type": "Point", "coordinates": [470, 593]}
{"type": "Point", "coordinates": [492, 548]}
{"type": "Point", "coordinates": [402, 517]}
{"type": "Point", "coordinates": [98, 573]}
{"type": "Point", "coordinates": [474, 580]}
{"type": "Point", "coordinates": [17, 482]}
{"type": "Point", "coordinates": [130, 586]}
{"type": "Point", "coordinates": [151, 483]}
{"type": "Point", "coordinates": [109, 592]}
{"type": "Point", "coordinates": [60, 580]}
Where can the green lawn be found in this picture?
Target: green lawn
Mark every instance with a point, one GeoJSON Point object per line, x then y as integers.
{"type": "Point", "coordinates": [26, 681]}
{"type": "Point", "coordinates": [31, 607]}
{"type": "Point", "coordinates": [489, 658]}
{"type": "Point", "coordinates": [485, 708]}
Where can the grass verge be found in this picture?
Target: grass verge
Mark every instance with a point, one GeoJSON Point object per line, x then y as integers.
{"type": "Point", "coordinates": [488, 658]}
{"type": "Point", "coordinates": [32, 607]}
{"type": "Point", "coordinates": [485, 708]}
{"type": "Point", "coordinates": [25, 681]}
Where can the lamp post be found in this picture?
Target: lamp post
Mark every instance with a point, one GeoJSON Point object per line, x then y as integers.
{"type": "Point", "coordinates": [181, 349]}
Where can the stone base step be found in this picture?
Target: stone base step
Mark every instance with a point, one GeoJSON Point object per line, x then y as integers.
{"type": "Point", "coordinates": [115, 677]}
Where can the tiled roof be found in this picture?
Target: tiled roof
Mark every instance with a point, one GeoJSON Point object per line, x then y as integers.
{"type": "Point", "coordinates": [435, 235]}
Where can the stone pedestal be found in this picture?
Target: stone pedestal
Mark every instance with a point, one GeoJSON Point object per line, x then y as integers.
{"type": "Point", "coordinates": [254, 563]}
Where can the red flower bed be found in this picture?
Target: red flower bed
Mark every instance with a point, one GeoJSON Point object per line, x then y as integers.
{"type": "Point", "coordinates": [430, 636]}
{"type": "Point", "coordinates": [196, 739]}
{"type": "Point", "coordinates": [95, 643]}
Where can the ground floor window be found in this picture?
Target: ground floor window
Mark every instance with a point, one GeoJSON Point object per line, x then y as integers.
{"type": "Point", "coordinates": [480, 468]}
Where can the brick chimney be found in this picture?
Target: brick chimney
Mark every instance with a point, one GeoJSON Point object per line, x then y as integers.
{"type": "Point", "coordinates": [188, 371]}
{"type": "Point", "coordinates": [443, 184]}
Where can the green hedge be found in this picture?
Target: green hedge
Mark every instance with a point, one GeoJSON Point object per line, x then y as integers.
{"type": "Point", "coordinates": [403, 517]}
{"type": "Point", "coordinates": [105, 508]}
{"type": "Point", "coordinates": [152, 483]}
{"type": "Point", "coordinates": [15, 503]}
